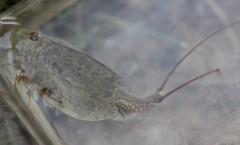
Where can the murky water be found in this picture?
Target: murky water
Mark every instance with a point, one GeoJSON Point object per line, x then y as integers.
{"type": "Point", "coordinates": [141, 41]}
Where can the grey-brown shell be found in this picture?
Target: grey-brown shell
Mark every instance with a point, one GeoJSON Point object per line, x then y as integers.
{"type": "Point", "coordinates": [86, 87]}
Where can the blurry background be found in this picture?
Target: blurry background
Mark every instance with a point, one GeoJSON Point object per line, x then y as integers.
{"type": "Point", "coordinates": [141, 41]}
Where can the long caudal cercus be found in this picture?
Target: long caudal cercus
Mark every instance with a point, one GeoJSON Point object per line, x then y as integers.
{"type": "Point", "coordinates": [77, 84]}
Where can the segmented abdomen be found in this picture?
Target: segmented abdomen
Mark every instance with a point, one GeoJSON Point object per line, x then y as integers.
{"type": "Point", "coordinates": [128, 103]}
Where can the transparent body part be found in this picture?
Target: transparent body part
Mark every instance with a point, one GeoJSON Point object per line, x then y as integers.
{"type": "Point", "coordinates": [85, 88]}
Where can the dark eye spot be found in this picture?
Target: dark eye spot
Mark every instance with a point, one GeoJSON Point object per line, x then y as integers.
{"type": "Point", "coordinates": [34, 36]}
